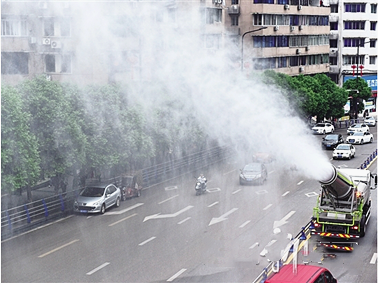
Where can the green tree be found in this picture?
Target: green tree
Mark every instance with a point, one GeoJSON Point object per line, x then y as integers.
{"type": "Point", "coordinates": [19, 147]}
{"type": "Point", "coordinates": [357, 89]}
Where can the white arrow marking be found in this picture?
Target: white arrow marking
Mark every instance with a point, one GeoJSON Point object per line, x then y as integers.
{"type": "Point", "coordinates": [156, 216]}
{"type": "Point", "coordinates": [283, 221]}
{"type": "Point", "coordinates": [254, 245]}
{"type": "Point", "coordinates": [123, 210]}
{"type": "Point", "coordinates": [222, 217]}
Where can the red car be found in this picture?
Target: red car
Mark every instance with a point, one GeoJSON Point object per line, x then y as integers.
{"type": "Point", "coordinates": [130, 187]}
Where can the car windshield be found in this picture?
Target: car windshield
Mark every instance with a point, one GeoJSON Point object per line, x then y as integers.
{"type": "Point", "coordinates": [343, 147]}
{"type": "Point", "coordinates": [357, 126]}
{"type": "Point", "coordinates": [252, 167]}
{"type": "Point", "coordinates": [92, 192]}
{"type": "Point", "coordinates": [331, 138]}
{"type": "Point", "coordinates": [358, 134]}
{"type": "Point", "coordinates": [320, 125]}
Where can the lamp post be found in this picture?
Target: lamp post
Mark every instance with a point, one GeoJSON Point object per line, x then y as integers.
{"type": "Point", "coordinates": [247, 32]}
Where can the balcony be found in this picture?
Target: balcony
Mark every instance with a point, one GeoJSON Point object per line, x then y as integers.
{"type": "Point", "coordinates": [234, 10]}
{"type": "Point", "coordinates": [334, 34]}
{"type": "Point", "coordinates": [333, 18]}
{"type": "Point", "coordinates": [334, 69]}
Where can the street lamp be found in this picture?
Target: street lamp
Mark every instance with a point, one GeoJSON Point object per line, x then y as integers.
{"type": "Point", "coordinates": [247, 32]}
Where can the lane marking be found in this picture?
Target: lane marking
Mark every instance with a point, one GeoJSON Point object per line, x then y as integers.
{"type": "Point", "coordinates": [182, 221]}
{"type": "Point", "coordinates": [177, 275]}
{"type": "Point", "coordinates": [98, 268]}
{"type": "Point", "coordinates": [123, 210]}
{"type": "Point", "coordinates": [222, 217]}
{"type": "Point", "coordinates": [271, 243]}
{"type": "Point", "coordinates": [373, 259]}
{"type": "Point", "coordinates": [266, 207]}
{"type": "Point", "coordinates": [146, 241]}
{"type": "Point", "coordinates": [244, 224]}
{"type": "Point", "coordinates": [230, 172]}
{"type": "Point", "coordinates": [158, 215]}
{"type": "Point", "coordinates": [168, 199]}
{"type": "Point", "coordinates": [300, 182]}
{"type": "Point", "coordinates": [123, 219]}
{"type": "Point", "coordinates": [262, 192]}
{"type": "Point", "coordinates": [58, 248]}
{"type": "Point", "coordinates": [235, 192]}
{"type": "Point", "coordinates": [286, 193]}
{"type": "Point", "coordinates": [312, 194]}
{"type": "Point", "coordinates": [170, 188]}
{"type": "Point", "coordinates": [254, 245]}
{"type": "Point", "coordinates": [214, 203]}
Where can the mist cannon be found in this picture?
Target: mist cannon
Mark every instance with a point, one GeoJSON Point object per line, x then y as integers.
{"type": "Point", "coordinates": [339, 185]}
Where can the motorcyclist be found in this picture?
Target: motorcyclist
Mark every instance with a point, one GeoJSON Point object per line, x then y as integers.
{"type": "Point", "coordinates": [202, 180]}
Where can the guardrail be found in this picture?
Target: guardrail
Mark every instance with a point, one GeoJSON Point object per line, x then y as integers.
{"type": "Point", "coordinates": [370, 159]}
{"type": "Point", "coordinates": [21, 218]}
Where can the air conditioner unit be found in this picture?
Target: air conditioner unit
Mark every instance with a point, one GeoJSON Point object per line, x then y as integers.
{"type": "Point", "coordinates": [291, 28]}
{"type": "Point", "coordinates": [299, 7]}
{"type": "Point", "coordinates": [233, 9]}
{"type": "Point", "coordinates": [300, 27]}
{"type": "Point", "coordinates": [287, 7]}
{"type": "Point", "coordinates": [46, 41]}
{"type": "Point", "coordinates": [298, 51]}
{"type": "Point", "coordinates": [276, 28]}
{"type": "Point", "coordinates": [56, 44]}
{"type": "Point", "coordinates": [307, 48]}
{"type": "Point", "coordinates": [301, 69]}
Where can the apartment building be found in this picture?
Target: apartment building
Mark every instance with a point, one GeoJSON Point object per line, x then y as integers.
{"type": "Point", "coordinates": [66, 40]}
{"type": "Point", "coordinates": [353, 42]}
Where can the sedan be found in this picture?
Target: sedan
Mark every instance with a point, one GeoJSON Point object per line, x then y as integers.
{"type": "Point", "coordinates": [97, 198]}
{"type": "Point", "coordinates": [331, 141]}
{"type": "Point", "coordinates": [253, 173]}
{"type": "Point", "coordinates": [263, 157]}
{"type": "Point", "coordinates": [323, 128]}
{"type": "Point", "coordinates": [370, 121]}
{"type": "Point", "coordinates": [360, 138]}
{"type": "Point", "coordinates": [344, 150]}
{"type": "Point", "coordinates": [359, 127]}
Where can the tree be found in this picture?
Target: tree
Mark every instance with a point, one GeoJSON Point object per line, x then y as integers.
{"type": "Point", "coordinates": [19, 146]}
{"type": "Point", "coordinates": [358, 89]}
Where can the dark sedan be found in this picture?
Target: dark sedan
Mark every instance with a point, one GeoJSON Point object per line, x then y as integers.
{"type": "Point", "coordinates": [331, 141]}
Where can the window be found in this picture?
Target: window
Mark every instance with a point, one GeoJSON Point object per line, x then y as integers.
{"type": "Point", "coordinates": [234, 2]}
{"type": "Point", "coordinates": [56, 26]}
{"type": "Point", "coordinates": [354, 42]}
{"type": "Point", "coordinates": [48, 25]}
{"type": "Point", "coordinates": [333, 43]}
{"type": "Point", "coordinates": [334, 26]}
{"type": "Point", "coordinates": [282, 62]}
{"type": "Point", "coordinates": [372, 60]}
{"type": "Point", "coordinates": [294, 61]}
{"type": "Point", "coordinates": [373, 8]}
{"type": "Point", "coordinates": [282, 2]}
{"type": "Point", "coordinates": [234, 20]}
{"type": "Point", "coordinates": [354, 25]}
{"type": "Point", "coordinates": [263, 1]}
{"type": "Point", "coordinates": [66, 64]}
{"type": "Point", "coordinates": [257, 19]}
{"type": "Point", "coordinates": [334, 8]}
{"type": "Point", "coordinates": [333, 61]}
{"type": "Point", "coordinates": [13, 27]}
{"type": "Point", "coordinates": [13, 63]}
{"type": "Point", "coordinates": [213, 15]}
{"type": "Point", "coordinates": [373, 43]}
{"type": "Point", "coordinates": [355, 8]}
{"type": "Point", "coordinates": [352, 59]}
{"type": "Point", "coordinates": [373, 25]}
{"type": "Point", "coordinates": [50, 63]}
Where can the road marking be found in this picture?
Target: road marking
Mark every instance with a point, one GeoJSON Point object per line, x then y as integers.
{"type": "Point", "coordinates": [222, 217]}
{"type": "Point", "coordinates": [312, 194]}
{"type": "Point", "coordinates": [58, 248]}
{"type": "Point", "coordinates": [299, 183]}
{"type": "Point", "coordinates": [177, 275]}
{"type": "Point", "coordinates": [123, 219]}
{"type": "Point", "coordinates": [261, 192]}
{"type": "Point", "coordinates": [146, 241]}
{"type": "Point", "coordinates": [283, 221]}
{"type": "Point", "coordinates": [235, 192]}
{"type": "Point", "coordinates": [254, 245]}
{"type": "Point", "coordinates": [266, 207]}
{"type": "Point", "coordinates": [98, 268]}
{"type": "Point", "coordinates": [212, 190]}
{"type": "Point", "coordinates": [182, 221]}
{"type": "Point", "coordinates": [158, 215]}
{"type": "Point", "coordinates": [168, 199]}
{"type": "Point", "coordinates": [271, 243]}
{"type": "Point", "coordinates": [285, 193]}
{"type": "Point", "coordinates": [170, 188]}
{"type": "Point", "coordinates": [373, 259]}
{"type": "Point", "coordinates": [123, 210]}
{"type": "Point", "coordinates": [244, 224]}
{"type": "Point", "coordinates": [214, 203]}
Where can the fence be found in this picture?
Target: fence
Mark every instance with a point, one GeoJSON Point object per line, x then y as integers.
{"type": "Point", "coordinates": [21, 218]}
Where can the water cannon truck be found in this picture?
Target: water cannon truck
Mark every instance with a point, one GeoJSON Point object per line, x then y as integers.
{"type": "Point", "coordinates": [343, 207]}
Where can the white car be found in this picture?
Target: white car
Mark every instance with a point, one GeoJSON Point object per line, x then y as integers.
{"type": "Point", "coordinates": [344, 150]}
{"type": "Point", "coordinates": [360, 138]}
{"type": "Point", "coordinates": [370, 121]}
{"type": "Point", "coordinates": [323, 128]}
{"type": "Point", "coordinates": [359, 127]}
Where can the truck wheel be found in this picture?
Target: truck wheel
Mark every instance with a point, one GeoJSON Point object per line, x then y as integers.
{"type": "Point", "coordinates": [363, 226]}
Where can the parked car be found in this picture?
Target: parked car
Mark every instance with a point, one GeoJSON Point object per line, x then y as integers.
{"type": "Point", "coordinates": [370, 121]}
{"type": "Point", "coordinates": [323, 128]}
{"type": "Point", "coordinates": [301, 273]}
{"type": "Point", "coordinates": [263, 157]}
{"type": "Point", "coordinates": [253, 173]}
{"type": "Point", "coordinates": [344, 150]}
{"type": "Point", "coordinates": [332, 140]}
{"type": "Point", "coordinates": [359, 127]}
{"type": "Point", "coordinates": [360, 138]}
{"type": "Point", "coordinates": [131, 185]}
{"type": "Point", "coordinates": [97, 198]}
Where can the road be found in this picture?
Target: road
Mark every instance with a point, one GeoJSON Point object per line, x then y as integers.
{"type": "Point", "coordinates": [169, 234]}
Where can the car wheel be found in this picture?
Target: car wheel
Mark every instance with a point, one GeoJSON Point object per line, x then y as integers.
{"type": "Point", "coordinates": [103, 208]}
{"type": "Point", "coordinates": [138, 193]}
{"type": "Point", "coordinates": [118, 202]}
{"type": "Point", "coordinates": [371, 140]}
{"type": "Point", "coordinates": [350, 156]}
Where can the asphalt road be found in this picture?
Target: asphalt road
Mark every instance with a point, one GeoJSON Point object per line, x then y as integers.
{"type": "Point", "coordinates": [169, 234]}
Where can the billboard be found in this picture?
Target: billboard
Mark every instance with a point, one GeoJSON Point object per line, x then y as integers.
{"type": "Point", "coordinates": [371, 80]}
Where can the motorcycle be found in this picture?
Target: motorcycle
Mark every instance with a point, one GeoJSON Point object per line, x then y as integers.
{"type": "Point", "coordinates": [200, 187]}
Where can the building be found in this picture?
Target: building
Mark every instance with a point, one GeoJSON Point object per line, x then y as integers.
{"type": "Point", "coordinates": [106, 41]}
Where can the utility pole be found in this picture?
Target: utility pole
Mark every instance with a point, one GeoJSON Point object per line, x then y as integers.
{"type": "Point", "coordinates": [247, 32]}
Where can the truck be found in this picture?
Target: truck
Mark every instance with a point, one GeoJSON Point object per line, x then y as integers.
{"type": "Point", "coordinates": [343, 207]}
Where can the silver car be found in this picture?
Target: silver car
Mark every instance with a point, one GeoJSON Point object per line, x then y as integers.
{"type": "Point", "coordinates": [370, 121]}
{"type": "Point", "coordinates": [97, 198]}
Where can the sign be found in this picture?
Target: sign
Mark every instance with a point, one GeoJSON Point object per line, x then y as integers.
{"type": "Point", "coordinates": [371, 80]}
